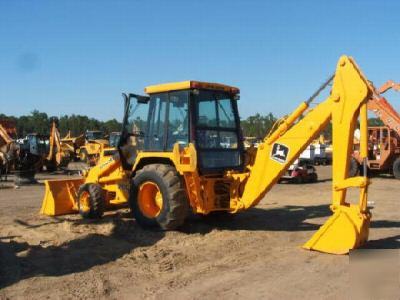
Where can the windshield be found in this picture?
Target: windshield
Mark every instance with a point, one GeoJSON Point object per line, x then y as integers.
{"type": "Point", "coordinates": [137, 118]}
{"type": "Point", "coordinates": [94, 135]}
{"type": "Point", "coordinates": [114, 139]}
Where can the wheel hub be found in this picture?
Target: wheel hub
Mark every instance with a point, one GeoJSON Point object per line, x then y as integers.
{"type": "Point", "coordinates": [150, 199]}
{"type": "Point", "coordinates": [84, 202]}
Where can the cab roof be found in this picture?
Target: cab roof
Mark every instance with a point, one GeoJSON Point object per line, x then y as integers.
{"type": "Point", "coordinates": [190, 84]}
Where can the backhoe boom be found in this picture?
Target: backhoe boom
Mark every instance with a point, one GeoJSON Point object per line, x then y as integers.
{"type": "Point", "coordinates": [346, 102]}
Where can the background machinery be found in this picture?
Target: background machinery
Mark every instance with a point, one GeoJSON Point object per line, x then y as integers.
{"type": "Point", "coordinates": [8, 149]}
{"type": "Point", "coordinates": [46, 151]}
{"type": "Point", "coordinates": [33, 151]}
{"type": "Point", "coordinates": [383, 141]}
{"type": "Point", "coordinates": [95, 142]}
{"type": "Point", "coordinates": [181, 148]}
{"type": "Point", "coordinates": [301, 171]}
{"type": "Point", "coordinates": [61, 151]}
{"type": "Point", "coordinates": [71, 145]}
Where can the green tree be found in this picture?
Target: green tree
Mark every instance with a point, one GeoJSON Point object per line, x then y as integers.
{"type": "Point", "coordinates": [375, 122]}
{"type": "Point", "coordinates": [258, 126]}
{"type": "Point", "coordinates": [39, 122]}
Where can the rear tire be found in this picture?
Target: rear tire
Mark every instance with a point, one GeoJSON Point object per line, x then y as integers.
{"type": "Point", "coordinates": [174, 207]}
{"type": "Point", "coordinates": [354, 167]}
{"type": "Point", "coordinates": [91, 201]}
{"type": "Point", "coordinates": [396, 168]}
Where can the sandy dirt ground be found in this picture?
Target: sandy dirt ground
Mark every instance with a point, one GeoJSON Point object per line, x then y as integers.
{"type": "Point", "coordinates": [255, 254]}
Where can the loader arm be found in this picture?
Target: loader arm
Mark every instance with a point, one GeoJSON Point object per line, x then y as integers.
{"type": "Point", "coordinates": [346, 102]}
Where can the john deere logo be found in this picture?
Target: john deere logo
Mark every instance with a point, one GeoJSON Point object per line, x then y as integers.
{"type": "Point", "coordinates": [279, 153]}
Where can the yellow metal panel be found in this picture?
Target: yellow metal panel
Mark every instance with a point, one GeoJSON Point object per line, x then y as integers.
{"type": "Point", "coordinates": [165, 87]}
{"type": "Point", "coordinates": [60, 195]}
{"type": "Point", "coordinates": [190, 84]}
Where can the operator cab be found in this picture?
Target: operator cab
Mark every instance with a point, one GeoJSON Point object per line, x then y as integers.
{"type": "Point", "coordinates": [204, 114]}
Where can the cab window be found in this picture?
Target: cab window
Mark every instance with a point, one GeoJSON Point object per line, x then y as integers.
{"type": "Point", "coordinates": [178, 122]}
{"type": "Point", "coordinates": [156, 126]}
{"type": "Point", "coordinates": [168, 121]}
{"type": "Point", "coordinates": [217, 132]}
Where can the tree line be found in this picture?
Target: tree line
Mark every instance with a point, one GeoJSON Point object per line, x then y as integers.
{"type": "Point", "coordinates": [39, 122]}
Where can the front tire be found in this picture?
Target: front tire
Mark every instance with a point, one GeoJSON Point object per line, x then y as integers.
{"type": "Point", "coordinates": [158, 198]}
{"type": "Point", "coordinates": [91, 201]}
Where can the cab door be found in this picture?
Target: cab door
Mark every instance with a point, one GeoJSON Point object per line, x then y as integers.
{"type": "Point", "coordinates": [168, 121]}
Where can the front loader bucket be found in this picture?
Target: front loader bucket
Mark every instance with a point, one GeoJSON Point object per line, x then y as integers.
{"type": "Point", "coordinates": [346, 229]}
{"type": "Point", "coordinates": [60, 195]}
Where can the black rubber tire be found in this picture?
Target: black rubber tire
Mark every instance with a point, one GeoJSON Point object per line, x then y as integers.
{"type": "Point", "coordinates": [314, 177]}
{"type": "Point", "coordinates": [96, 199]}
{"type": "Point", "coordinates": [354, 168]}
{"type": "Point", "coordinates": [299, 180]}
{"type": "Point", "coordinates": [396, 168]}
{"type": "Point", "coordinates": [175, 206]}
{"type": "Point", "coordinates": [51, 167]}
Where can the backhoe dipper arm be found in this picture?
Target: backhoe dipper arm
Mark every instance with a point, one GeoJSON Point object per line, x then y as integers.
{"type": "Point", "coordinates": [55, 144]}
{"type": "Point", "coordinates": [347, 101]}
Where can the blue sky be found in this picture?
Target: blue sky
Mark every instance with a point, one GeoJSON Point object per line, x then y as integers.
{"type": "Point", "coordinates": [65, 57]}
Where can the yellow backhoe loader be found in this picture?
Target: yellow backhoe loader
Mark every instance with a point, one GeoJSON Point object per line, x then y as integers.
{"type": "Point", "coordinates": [8, 151]}
{"type": "Point", "coordinates": [61, 150]}
{"type": "Point", "coordinates": [72, 144]}
{"type": "Point", "coordinates": [95, 142]}
{"type": "Point", "coordinates": [181, 148]}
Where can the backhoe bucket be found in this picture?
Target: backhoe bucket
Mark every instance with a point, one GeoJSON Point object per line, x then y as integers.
{"type": "Point", "coordinates": [60, 195]}
{"type": "Point", "coordinates": [346, 229]}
